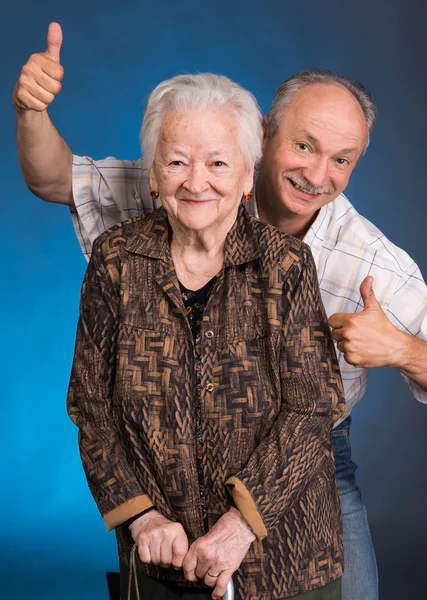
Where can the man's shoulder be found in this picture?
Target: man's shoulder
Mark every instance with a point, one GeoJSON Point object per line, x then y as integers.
{"type": "Point", "coordinates": [126, 180]}
{"type": "Point", "coordinates": [349, 231]}
{"type": "Point", "coordinates": [110, 163]}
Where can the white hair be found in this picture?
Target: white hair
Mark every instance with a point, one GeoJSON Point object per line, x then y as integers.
{"type": "Point", "coordinates": [203, 91]}
{"type": "Point", "coordinates": [286, 92]}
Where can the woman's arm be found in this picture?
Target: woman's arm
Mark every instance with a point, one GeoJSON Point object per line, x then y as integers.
{"type": "Point", "coordinates": [111, 479]}
{"type": "Point", "coordinates": [298, 443]}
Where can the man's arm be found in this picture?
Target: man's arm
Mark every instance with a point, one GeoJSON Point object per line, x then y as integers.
{"type": "Point", "coordinates": [45, 158]}
{"type": "Point", "coordinates": [368, 339]}
{"type": "Point", "coordinates": [99, 193]}
{"type": "Point", "coordinates": [411, 360]}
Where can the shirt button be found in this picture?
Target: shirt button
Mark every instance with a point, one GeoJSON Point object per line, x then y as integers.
{"type": "Point", "coordinates": [209, 334]}
{"type": "Point", "coordinates": [210, 387]}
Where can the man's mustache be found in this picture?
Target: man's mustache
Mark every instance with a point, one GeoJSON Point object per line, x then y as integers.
{"type": "Point", "coordinates": [305, 185]}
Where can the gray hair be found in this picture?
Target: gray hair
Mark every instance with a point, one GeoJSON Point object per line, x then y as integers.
{"type": "Point", "coordinates": [202, 91]}
{"type": "Point", "coordinates": [286, 92]}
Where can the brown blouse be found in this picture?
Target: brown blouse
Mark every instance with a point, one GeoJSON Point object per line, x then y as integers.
{"type": "Point", "coordinates": [270, 391]}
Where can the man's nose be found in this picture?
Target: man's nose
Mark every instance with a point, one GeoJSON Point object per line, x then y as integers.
{"type": "Point", "coordinates": [317, 172]}
{"type": "Point", "coordinates": [197, 180]}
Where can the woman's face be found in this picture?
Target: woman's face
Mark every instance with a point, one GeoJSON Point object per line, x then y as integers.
{"type": "Point", "coordinates": [199, 169]}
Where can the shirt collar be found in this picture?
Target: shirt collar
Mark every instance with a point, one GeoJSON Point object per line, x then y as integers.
{"type": "Point", "coordinates": [152, 238]}
{"type": "Point", "coordinates": [315, 235]}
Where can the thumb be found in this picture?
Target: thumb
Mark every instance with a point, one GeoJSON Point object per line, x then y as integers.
{"type": "Point", "coordinates": [54, 41]}
{"type": "Point", "coordinates": [367, 293]}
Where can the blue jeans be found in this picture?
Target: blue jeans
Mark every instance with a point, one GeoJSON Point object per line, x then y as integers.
{"type": "Point", "coordinates": [360, 579]}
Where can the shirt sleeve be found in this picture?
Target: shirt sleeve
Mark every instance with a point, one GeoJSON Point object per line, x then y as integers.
{"type": "Point", "coordinates": [407, 311]}
{"type": "Point", "coordinates": [106, 462]}
{"type": "Point", "coordinates": [107, 192]}
{"type": "Point", "coordinates": [294, 452]}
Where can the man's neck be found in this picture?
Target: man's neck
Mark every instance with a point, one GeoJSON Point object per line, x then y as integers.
{"type": "Point", "coordinates": [272, 211]}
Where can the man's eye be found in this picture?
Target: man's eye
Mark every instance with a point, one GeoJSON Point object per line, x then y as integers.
{"type": "Point", "coordinates": [219, 163]}
{"type": "Point", "coordinates": [342, 161]}
{"type": "Point", "coordinates": [176, 163]}
{"type": "Point", "coordinates": [302, 146]}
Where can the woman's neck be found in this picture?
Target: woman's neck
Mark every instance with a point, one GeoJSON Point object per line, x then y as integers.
{"type": "Point", "coordinates": [195, 269]}
{"type": "Point", "coordinates": [198, 255]}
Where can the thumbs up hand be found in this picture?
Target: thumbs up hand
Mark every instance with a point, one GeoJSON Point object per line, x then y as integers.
{"type": "Point", "coordinates": [367, 338]}
{"type": "Point", "coordinates": [40, 78]}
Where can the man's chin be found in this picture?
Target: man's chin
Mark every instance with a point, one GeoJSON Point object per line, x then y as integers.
{"type": "Point", "coordinates": [303, 207]}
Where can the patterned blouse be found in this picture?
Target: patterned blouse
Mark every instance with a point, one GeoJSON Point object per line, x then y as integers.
{"type": "Point", "coordinates": [195, 303]}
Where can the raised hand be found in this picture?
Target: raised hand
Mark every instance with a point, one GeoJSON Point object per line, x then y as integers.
{"type": "Point", "coordinates": [41, 76]}
{"type": "Point", "coordinates": [367, 338]}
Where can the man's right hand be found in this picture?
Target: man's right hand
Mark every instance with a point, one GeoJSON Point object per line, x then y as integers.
{"type": "Point", "coordinates": [159, 540]}
{"type": "Point", "coordinates": [40, 78]}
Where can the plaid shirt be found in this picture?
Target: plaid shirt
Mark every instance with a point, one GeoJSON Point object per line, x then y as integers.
{"type": "Point", "coordinates": [346, 248]}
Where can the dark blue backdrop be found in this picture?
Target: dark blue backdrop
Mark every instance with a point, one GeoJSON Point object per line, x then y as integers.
{"type": "Point", "coordinates": [53, 543]}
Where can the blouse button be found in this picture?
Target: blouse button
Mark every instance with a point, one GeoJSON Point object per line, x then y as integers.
{"type": "Point", "coordinates": [209, 334]}
{"type": "Point", "coordinates": [210, 387]}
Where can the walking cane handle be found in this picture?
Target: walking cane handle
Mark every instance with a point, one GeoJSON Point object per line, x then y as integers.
{"type": "Point", "coordinates": [229, 592]}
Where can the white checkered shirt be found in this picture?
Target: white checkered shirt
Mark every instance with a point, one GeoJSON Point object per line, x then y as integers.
{"type": "Point", "coordinates": [346, 248]}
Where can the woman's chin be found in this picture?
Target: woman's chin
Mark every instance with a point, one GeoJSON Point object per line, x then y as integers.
{"type": "Point", "coordinates": [197, 219]}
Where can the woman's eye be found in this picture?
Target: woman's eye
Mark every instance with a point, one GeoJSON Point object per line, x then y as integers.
{"type": "Point", "coordinates": [219, 163]}
{"type": "Point", "coordinates": [176, 163]}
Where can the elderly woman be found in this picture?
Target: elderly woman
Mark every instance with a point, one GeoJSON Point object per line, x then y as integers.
{"type": "Point", "coordinates": [205, 382]}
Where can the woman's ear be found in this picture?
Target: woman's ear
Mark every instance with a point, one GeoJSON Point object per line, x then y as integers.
{"type": "Point", "coordinates": [249, 182]}
{"type": "Point", "coordinates": [154, 187]}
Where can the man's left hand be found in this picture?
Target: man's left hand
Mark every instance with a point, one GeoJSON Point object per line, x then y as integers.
{"type": "Point", "coordinates": [367, 338]}
{"type": "Point", "coordinates": [214, 557]}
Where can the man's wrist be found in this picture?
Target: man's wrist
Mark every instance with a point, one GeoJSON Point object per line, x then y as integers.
{"type": "Point", "coordinates": [403, 351]}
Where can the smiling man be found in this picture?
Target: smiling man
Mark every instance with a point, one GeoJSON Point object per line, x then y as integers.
{"type": "Point", "coordinates": [315, 133]}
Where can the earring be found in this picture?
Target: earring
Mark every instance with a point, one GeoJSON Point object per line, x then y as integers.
{"type": "Point", "coordinates": [154, 194]}
{"type": "Point", "coordinates": [246, 197]}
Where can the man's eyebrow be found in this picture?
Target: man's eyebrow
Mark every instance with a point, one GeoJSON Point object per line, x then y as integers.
{"type": "Point", "coordinates": [348, 151]}
{"type": "Point", "coordinates": [313, 140]}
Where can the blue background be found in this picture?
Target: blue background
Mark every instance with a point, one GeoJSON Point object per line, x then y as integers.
{"type": "Point", "coordinates": [53, 543]}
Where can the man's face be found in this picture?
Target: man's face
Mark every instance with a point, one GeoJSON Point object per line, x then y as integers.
{"type": "Point", "coordinates": [321, 136]}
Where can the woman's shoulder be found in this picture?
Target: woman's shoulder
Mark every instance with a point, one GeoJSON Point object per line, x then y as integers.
{"type": "Point", "coordinates": [122, 234]}
{"type": "Point", "coordinates": [278, 248]}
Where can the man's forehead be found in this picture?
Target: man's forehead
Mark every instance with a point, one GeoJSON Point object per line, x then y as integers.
{"type": "Point", "coordinates": [328, 99]}
{"type": "Point", "coordinates": [326, 110]}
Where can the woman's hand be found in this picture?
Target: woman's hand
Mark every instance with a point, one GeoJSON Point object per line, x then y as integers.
{"type": "Point", "coordinates": [215, 556]}
{"type": "Point", "coordinates": [160, 541]}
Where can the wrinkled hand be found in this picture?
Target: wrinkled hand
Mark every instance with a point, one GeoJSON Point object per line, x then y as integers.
{"type": "Point", "coordinates": [40, 78]}
{"type": "Point", "coordinates": [215, 556]}
{"type": "Point", "coordinates": [367, 338]}
{"type": "Point", "coordinates": [159, 540]}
